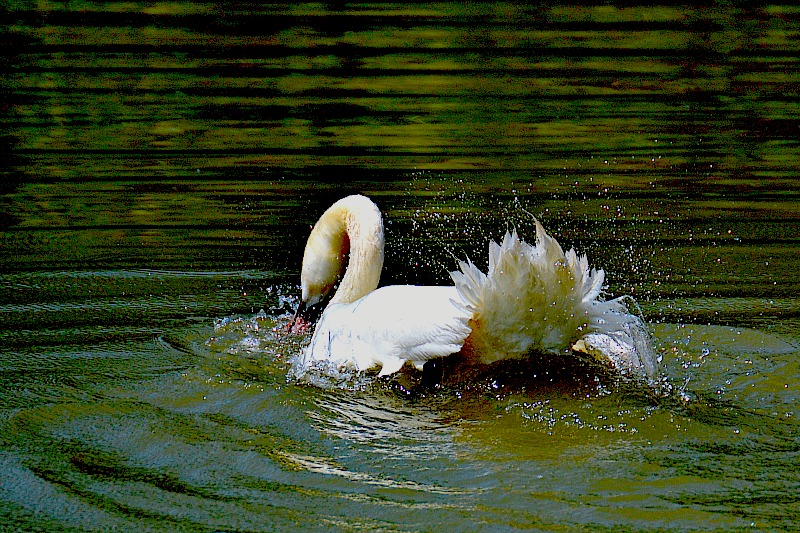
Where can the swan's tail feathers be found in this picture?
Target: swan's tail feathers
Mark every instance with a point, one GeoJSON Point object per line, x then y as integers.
{"type": "Point", "coordinates": [538, 298]}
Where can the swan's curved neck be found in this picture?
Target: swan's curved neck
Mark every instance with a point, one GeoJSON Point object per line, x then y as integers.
{"type": "Point", "coordinates": [351, 230]}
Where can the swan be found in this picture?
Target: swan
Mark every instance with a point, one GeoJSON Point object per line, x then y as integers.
{"type": "Point", "coordinates": [533, 298]}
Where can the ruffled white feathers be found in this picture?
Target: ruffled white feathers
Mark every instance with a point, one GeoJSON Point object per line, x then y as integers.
{"type": "Point", "coordinates": [533, 298]}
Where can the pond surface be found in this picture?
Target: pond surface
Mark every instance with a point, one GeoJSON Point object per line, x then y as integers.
{"type": "Point", "coordinates": [163, 163]}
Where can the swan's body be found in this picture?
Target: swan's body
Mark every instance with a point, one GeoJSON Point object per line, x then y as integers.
{"type": "Point", "coordinates": [390, 326]}
{"type": "Point", "coordinates": [532, 299]}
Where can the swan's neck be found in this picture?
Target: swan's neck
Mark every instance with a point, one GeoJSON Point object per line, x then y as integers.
{"type": "Point", "coordinates": [350, 230]}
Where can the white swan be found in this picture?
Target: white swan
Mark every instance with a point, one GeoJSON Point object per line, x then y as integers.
{"type": "Point", "coordinates": [532, 299]}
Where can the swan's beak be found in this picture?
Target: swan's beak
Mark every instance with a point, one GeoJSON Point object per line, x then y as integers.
{"type": "Point", "coordinates": [304, 317]}
{"type": "Point", "coordinates": [298, 324]}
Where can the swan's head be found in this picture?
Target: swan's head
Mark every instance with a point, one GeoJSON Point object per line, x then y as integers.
{"type": "Point", "coordinates": [324, 261]}
{"type": "Point", "coordinates": [345, 247]}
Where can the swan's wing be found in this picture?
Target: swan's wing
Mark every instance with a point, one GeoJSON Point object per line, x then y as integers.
{"type": "Point", "coordinates": [390, 326]}
{"type": "Point", "coordinates": [534, 298]}
{"type": "Point", "coordinates": [528, 300]}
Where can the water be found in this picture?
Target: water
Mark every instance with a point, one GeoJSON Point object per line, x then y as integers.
{"type": "Point", "coordinates": [163, 163]}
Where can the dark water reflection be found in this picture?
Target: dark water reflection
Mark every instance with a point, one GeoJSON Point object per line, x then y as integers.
{"type": "Point", "coordinates": [163, 163]}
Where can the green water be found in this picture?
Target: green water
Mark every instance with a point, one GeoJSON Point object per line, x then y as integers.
{"type": "Point", "coordinates": [163, 163]}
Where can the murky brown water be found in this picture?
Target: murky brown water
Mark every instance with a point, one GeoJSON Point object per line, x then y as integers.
{"type": "Point", "coordinates": [163, 163]}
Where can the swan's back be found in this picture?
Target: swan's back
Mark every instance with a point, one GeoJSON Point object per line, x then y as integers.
{"type": "Point", "coordinates": [390, 326]}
